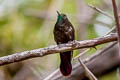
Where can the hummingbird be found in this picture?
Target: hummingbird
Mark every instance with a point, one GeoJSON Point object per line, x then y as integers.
{"type": "Point", "coordinates": [64, 33]}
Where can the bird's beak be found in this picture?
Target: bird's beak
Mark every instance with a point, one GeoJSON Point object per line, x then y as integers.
{"type": "Point", "coordinates": [58, 13]}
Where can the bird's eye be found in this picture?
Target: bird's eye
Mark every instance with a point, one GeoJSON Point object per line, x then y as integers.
{"type": "Point", "coordinates": [64, 16]}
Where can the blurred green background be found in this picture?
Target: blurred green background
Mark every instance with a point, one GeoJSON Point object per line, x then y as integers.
{"type": "Point", "coordinates": [28, 24]}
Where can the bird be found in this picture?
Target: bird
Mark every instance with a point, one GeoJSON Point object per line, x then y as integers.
{"type": "Point", "coordinates": [64, 33]}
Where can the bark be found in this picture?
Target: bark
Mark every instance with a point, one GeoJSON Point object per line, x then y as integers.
{"type": "Point", "coordinates": [56, 49]}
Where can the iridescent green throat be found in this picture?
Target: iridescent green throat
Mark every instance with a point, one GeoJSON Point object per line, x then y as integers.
{"type": "Point", "coordinates": [59, 18]}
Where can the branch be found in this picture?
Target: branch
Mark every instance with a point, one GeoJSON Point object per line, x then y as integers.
{"type": "Point", "coordinates": [88, 73]}
{"type": "Point", "coordinates": [117, 21]}
{"type": "Point", "coordinates": [56, 49]}
{"type": "Point", "coordinates": [100, 11]}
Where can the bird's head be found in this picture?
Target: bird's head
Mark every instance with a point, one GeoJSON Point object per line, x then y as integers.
{"type": "Point", "coordinates": [62, 18]}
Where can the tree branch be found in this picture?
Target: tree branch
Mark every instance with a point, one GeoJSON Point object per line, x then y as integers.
{"type": "Point", "coordinates": [56, 49]}
{"type": "Point", "coordinates": [88, 73]}
{"type": "Point", "coordinates": [116, 21]}
{"type": "Point", "coordinates": [100, 11]}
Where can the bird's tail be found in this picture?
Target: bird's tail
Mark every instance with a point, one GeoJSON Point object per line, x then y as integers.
{"type": "Point", "coordinates": [66, 66]}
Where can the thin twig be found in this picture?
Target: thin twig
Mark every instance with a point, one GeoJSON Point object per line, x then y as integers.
{"type": "Point", "coordinates": [113, 28]}
{"type": "Point", "coordinates": [116, 21]}
{"type": "Point", "coordinates": [88, 73]}
{"type": "Point", "coordinates": [85, 51]}
{"type": "Point", "coordinates": [51, 75]}
{"type": "Point", "coordinates": [100, 11]}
